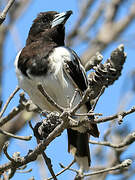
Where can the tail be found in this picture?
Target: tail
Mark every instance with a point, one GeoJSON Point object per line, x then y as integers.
{"type": "Point", "coordinates": [78, 145]}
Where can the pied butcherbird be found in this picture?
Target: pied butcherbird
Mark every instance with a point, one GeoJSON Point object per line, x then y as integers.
{"type": "Point", "coordinates": [47, 61]}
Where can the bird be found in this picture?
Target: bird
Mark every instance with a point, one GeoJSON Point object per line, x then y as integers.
{"type": "Point", "coordinates": [46, 59]}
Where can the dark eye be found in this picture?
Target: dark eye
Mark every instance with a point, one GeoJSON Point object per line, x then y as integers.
{"type": "Point", "coordinates": [46, 19]}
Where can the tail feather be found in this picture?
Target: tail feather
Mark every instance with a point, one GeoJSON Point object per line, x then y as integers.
{"type": "Point", "coordinates": [78, 145]}
{"type": "Point", "coordinates": [93, 130]}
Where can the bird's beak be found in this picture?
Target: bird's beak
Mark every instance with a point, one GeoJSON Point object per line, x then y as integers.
{"type": "Point", "coordinates": [61, 18]}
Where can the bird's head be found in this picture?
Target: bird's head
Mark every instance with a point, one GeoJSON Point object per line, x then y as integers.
{"type": "Point", "coordinates": [49, 25]}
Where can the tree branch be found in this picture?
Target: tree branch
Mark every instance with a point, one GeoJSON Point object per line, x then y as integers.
{"type": "Point", "coordinates": [124, 164]}
{"type": "Point", "coordinates": [63, 170]}
{"type": "Point", "coordinates": [26, 138]}
{"type": "Point", "coordinates": [127, 141]}
{"type": "Point", "coordinates": [5, 11]}
{"type": "Point", "coordinates": [8, 101]}
{"type": "Point", "coordinates": [115, 116]}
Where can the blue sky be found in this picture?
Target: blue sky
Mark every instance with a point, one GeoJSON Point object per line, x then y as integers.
{"type": "Point", "coordinates": [107, 104]}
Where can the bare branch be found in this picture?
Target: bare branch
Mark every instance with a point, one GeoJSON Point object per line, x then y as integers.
{"type": "Point", "coordinates": [26, 138]}
{"type": "Point", "coordinates": [125, 163]}
{"type": "Point", "coordinates": [64, 169]}
{"type": "Point", "coordinates": [6, 153]}
{"type": "Point", "coordinates": [11, 115]}
{"type": "Point", "coordinates": [88, 114]}
{"type": "Point", "coordinates": [93, 18]}
{"type": "Point", "coordinates": [97, 98]}
{"type": "Point", "coordinates": [127, 141]}
{"type": "Point", "coordinates": [82, 31]}
{"type": "Point", "coordinates": [5, 11]}
{"type": "Point", "coordinates": [115, 116]}
{"type": "Point", "coordinates": [108, 32]}
{"type": "Point", "coordinates": [31, 156]}
{"type": "Point", "coordinates": [46, 159]}
{"type": "Point", "coordinates": [82, 16]}
{"type": "Point", "coordinates": [49, 99]}
{"type": "Point", "coordinates": [27, 171]}
{"type": "Point", "coordinates": [24, 104]}
{"type": "Point", "coordinates": [112, 10]}
{"type": "Point", "coordinates": [73, 98]}
{"type": "Point", "coordinates": [49, 165]}
{"type": "Point", "coordinates": [8, 101]}
{"type": "Point", "coordinates": [82, 101]}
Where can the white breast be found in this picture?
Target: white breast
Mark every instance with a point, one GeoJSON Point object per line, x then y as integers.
{"type": "Point", "coordinates": [57, 84]}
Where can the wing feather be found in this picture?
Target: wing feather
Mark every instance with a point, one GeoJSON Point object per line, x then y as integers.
{"type": "Point", "coordinates": [77, 74]}
{"type": "Point", "coordinates": [76, 71]}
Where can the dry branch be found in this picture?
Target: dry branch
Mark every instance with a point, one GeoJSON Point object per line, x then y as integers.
{"type": "Point", "coordinates": [5, 11]}
{"type": "Point", "coordinates": [115, 116]}
{"type": "Point", "coordinates": [26, 138]}
{"type": "Point", "coordinates": [82, 15]}
{"type": "Point", "coordinates": [108, 32]}
{"type": "Point", "coordinates": [126, 142]}
{"type": "Point", "coordinates": [8, 101]}
{"type": "Point", "coordinates": [62, 171]}
{"type": "Point", "coordinates": [124, 164]}
{"type": "Point", "coordinates": [103, 76]}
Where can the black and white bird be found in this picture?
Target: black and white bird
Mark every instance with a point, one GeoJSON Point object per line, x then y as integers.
{"type": "Point", "coordinates": [46, 60]}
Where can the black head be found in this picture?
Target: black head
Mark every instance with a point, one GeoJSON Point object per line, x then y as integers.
{"type": "Point", "coordinates": [49, 26]}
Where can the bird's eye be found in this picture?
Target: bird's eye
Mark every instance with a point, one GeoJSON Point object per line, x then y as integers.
{"type": "Point", "coordinates": [45, 19]}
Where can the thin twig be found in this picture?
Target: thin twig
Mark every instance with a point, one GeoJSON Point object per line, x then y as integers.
{"type": "Point", "coordinates": [88, 114]}
{"type": "Point", "coordinates": [46, 159]}
{"type": "Point", "coordinates": [82, 15]}
{"type": "Point", "coordinates": [93, 18]}
{"type": "Point", "coordinates": [110, 118]}
{"type": "Point", "coordinates": [49, 165]}
{"type": "Point", "coordinates": [125, 163]}
{"type": "Point", "coordinates": [8, 101]}
{"type": "Point", "coordinates": [26, 138]}
{"type": "Point", "coordinates": [63, 170]}
{"type": "Point", "coordinates": [27, 171]}
{"type": "Point", "coordinates": [23, 104]}
{"type": "Point", "coordinates": [32, 155]}
{"type": "Point", "coordinates": [5, 11]}
{"type": "Point", "coordinates": [71, 169]}
{"type": "Point", "coordinates": [5, 151]}
{"type": "Point", "coordinates": [96, 100]}
{"type": "Point", "coordinates": [74, 123]}
{"type": "Point", "coordinates": [30, 124]}
{"type": "Point", "coordinates": [73, 98]}
{"type": "Point", "coordinates": [49, 99]}
{"type": "Point", "coordinates": [82, 101]}
{"type": "Point", "coordinates": [127, 141]}
{"type": "Point", "coordinates": [12, 114]}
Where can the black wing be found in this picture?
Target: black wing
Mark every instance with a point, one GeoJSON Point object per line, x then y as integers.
{"type": "Point", "coordinates": [77, 73]}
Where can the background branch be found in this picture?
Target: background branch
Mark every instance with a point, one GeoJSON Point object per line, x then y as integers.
{"type": "Point", "coordinates": [5, 11]}
{"type": "Point", "coordinates": [95, 27]}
